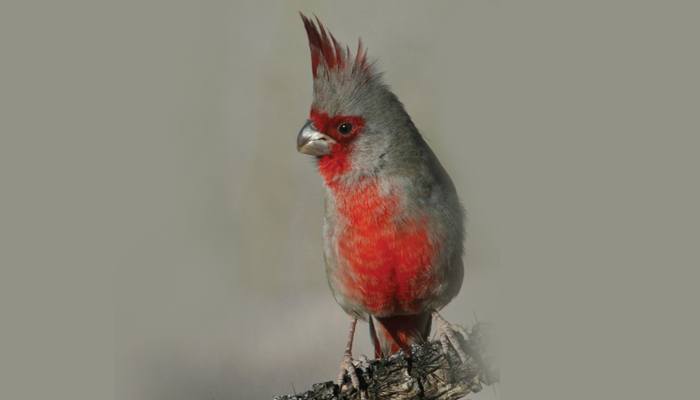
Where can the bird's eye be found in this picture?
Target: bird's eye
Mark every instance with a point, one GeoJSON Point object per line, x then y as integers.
{"type": "Point", "coordinates": [345, 128]}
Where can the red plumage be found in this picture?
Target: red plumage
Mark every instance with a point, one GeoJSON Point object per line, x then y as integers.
{"type": "Point", "coordinates": [326, 50]}
{"type": "Point", "coordinates": [337, 162]}
{"type": "Point", "coordinates": [393, 229]}
{"type": "Point", "coordinates": [392, 334]}
{"type": "Point", "coordinates": [389, 265]}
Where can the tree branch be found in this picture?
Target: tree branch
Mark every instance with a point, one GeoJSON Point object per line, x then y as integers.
{"type": "Point", "coordinates": [429, 374]}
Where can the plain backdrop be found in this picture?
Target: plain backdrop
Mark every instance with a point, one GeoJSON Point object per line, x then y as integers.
{"type": "Point", "coordinates": [160, 235]}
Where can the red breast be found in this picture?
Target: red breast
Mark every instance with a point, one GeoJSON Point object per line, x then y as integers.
{"type": "Point", "coordinates": [388, 257]}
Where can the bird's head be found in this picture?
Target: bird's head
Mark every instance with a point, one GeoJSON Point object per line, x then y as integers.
{"type": "Point", "coordinates": [354, 118]}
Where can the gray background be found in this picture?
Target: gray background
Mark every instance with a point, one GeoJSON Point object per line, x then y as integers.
{"type": "Point", "coordinates": [160, 236]}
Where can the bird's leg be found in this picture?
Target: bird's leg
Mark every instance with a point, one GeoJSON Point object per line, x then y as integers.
{"type": "Point", "coordinates": [447, 334]}
{"type": "Point", "coordinates": [347, 364]}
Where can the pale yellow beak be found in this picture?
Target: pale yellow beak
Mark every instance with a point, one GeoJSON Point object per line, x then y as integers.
{"type": "Point", "coordinates": [312, 142]}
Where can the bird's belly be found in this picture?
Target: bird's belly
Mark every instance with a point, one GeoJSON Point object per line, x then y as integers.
{"type": "Point", "coordinates": [385, 263]}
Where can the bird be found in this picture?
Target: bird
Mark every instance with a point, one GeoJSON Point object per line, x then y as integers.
{"type": "Point", "coordinates": [394, 226]}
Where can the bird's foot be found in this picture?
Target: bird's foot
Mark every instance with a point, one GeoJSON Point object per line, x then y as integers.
{"type": "Point", "coordinates": [447, 334]}
{"type": "Point", "coordinates": [348, 366]}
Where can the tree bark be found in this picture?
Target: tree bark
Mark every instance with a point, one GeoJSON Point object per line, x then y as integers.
{"type": "Point", "coordinates": [428, 374]}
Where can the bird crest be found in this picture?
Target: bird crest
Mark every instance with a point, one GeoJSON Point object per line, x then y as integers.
{"type": "Point", "coordinates": [328, 54]}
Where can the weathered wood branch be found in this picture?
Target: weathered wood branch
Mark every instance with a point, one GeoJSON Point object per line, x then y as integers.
{"type": "Point", "coordinates": [428, 374]}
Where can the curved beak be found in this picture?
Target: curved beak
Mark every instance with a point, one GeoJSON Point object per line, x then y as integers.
{"type": "Point", "coordinates": [312, 142]}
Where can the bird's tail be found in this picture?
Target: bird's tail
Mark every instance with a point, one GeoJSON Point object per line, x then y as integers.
{"type": "Point", "coordinates": [391, 334]}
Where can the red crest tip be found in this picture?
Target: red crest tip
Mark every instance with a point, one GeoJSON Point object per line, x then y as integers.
{"type": "Point", "coordinates": [326, 50]}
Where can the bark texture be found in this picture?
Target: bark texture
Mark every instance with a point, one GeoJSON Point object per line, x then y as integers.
{"type": "Point", "coordinates": [428, 374]}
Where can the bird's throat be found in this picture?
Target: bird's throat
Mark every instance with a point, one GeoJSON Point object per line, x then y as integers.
{"type": "Point", "coordinates": [334, 165]}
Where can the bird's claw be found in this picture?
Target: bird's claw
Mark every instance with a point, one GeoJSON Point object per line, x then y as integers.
{"type": "Point", "coordinates": [447, 334]}
{"type": "Point", "coordinates": [348, 366]}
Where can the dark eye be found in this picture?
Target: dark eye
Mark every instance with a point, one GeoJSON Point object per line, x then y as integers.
{"type": "Point", "coordinates": [345, 128]}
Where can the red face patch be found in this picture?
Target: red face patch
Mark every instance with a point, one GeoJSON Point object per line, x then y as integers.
{"type": "Point", "coordinates": [343, 129]}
